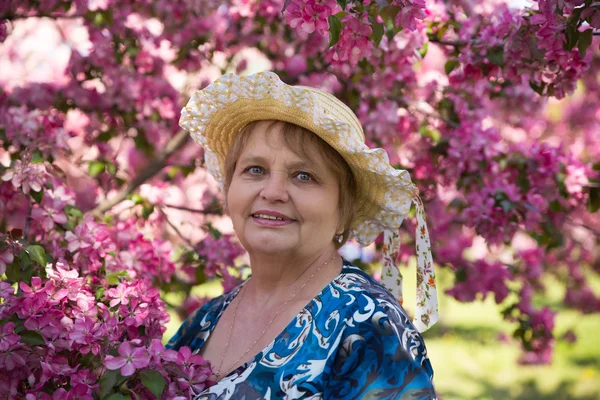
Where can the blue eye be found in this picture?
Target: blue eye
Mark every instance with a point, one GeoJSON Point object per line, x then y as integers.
{"type": "Point", "coordinates": [254, 170]}
{"type": "Point", "coordinates": [304, 176]}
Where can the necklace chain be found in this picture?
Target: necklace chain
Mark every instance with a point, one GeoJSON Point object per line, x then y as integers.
{"type": "Point", "coordinates": [218, 369]}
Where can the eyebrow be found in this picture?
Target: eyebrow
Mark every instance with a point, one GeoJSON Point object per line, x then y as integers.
{"type": "Point", "coordinates": [292, 165]}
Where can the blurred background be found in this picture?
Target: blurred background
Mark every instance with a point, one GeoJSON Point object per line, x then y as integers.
{"type": "Point", "coordinates": [493, 106]}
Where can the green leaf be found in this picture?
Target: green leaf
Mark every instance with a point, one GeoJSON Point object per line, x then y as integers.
{"type": "Point", "coordinates": [216, 234]}
{"type": "Point", "coordinates": [154, 381]}
{"type": "Point", "coordinates": [447, 111]}
{"type": "Point", "coordinates": [117, 396]}
{"type": "Point", "coordinates": [37, 157]}
{"type": "Point", "coordinates": [200, 275]}
{"type": "Point", "coordinates": [389, 13]}
{"type": "Point", "coordinates": [137, 199]}
{"type": "Point", "coordinates": [341, 15]}
{"type": "Point", "coordinates": [585, 40]}
{"type": "Point", "coordinates": [342, 3]}
{"type": "Point", "coordinates": [73, 211]}
{"type": "Point", "coordinates": [593, 203]}
{"type": "Point", "coordinates": [32, 338]}
{"type": "Point", "coordinates": [37, 196]}
{"type": "Point", "coordinates": [107, 382]}
{"type": "Point", "coordinates": [555, 206]}
{"type": "Point", "coordinates": [111, 168]}
{"type": "Point", "coordinates": [423, 50]}
{"type": "Point", "coordinates": [571, 36]}
{"type": "Point", "coordinates": [147, 210]}
{"type": "Point", "coordinates": [99, 293]}
{"type": "Point", "coordinates": [114, 278]}
{"type": "Point", "coordinates": [377, 33]}
{"type": "Point", "coordinates": [335, 29]}
{"type": "Point", "coordinates": [450, 66]}
{"type": "Point", "coordinates": [538, 88]}
{"type": "Point", "coordinates": [37, 253]}
{"type": "Point", "coordinates": [496, 56]}
{"type": "Point", "coordinates": [596, 167]}
{"type": "Point", "coordinates": [506, 205]}
{"type": "Point", "coordinates": [13, 271]}
{"type": "Point", "coordinates": [95, 168]}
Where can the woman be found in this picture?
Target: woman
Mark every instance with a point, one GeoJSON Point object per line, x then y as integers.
{"type": "Point", "coordinates": [298, 182]}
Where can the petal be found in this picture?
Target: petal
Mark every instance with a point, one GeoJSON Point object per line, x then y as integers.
{"type": "Point", "coordinates": [111, 362]}
{"type": "Point", "coordinates": [141, 358]}
{"type": "Point", "coordinates": [128, 369]}
{"type": "Point", "coordinates": [125, 349]}
{"type": "Point", "coordinates": [169, 355]}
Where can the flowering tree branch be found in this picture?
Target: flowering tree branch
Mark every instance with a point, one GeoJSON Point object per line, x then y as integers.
{"type": "Point", "coordinates": [159, 162]}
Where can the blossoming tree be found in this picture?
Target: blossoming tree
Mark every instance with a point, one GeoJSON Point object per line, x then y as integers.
{"type": "Point", "coordinates": [105, 203]}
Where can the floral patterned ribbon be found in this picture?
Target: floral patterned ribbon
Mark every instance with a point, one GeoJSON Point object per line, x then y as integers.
{"type": "Point", "coordinates": [426, 311]}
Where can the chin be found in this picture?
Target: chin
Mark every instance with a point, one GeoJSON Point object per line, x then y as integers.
{"type": "Point", "coordinates": [269, 245]}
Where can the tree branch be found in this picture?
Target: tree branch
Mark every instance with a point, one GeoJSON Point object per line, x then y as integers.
{"type": "Point", "coordinates": [193, 210]}
{"type": "Point", "coordinates": [17, 16]}
{"type": "Point", "coordinates": [455, 43]}
{"type": "Point", "coordinates": [159, 162]}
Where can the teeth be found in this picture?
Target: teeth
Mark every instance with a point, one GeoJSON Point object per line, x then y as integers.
{"type": "Point", "coordinates": [268, 217]}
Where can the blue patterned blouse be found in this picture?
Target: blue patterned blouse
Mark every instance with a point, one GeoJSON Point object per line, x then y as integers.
{"type": "Point", "coordinates": [353, 340]}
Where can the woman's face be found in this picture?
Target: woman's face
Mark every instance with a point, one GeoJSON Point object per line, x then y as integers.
{"type": "Point", "coordinates": [280, 202]}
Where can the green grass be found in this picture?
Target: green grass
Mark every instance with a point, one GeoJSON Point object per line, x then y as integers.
{"type": "Point", "coordinates": [470, 362]}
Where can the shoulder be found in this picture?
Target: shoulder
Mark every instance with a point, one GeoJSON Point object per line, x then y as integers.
{"type": "Point", "coordinates": [375, 318]}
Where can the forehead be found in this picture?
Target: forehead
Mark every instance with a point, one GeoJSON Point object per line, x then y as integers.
{"type": "Point", "coordinates": [269, 138]}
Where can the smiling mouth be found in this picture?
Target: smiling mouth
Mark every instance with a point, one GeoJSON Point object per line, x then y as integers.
{"type": "Point", "coordinates": [270, 217]}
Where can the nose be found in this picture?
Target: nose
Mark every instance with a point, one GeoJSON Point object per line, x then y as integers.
{"type": "Point", "coordinates": [275, 188]}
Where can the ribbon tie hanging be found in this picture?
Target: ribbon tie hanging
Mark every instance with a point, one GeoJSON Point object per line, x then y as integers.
{"type": "Point", "coordinates": [426, 310]}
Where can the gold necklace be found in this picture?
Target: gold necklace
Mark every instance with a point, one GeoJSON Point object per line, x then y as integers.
{"type": "Point", "coordinates": [218, 369]}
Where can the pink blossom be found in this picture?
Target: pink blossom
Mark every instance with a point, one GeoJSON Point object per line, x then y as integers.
{"type": "Point", "coordinates": [6, 257]}
{"type": "Point", "coordinates": [119, 295]}
{"type": "Point", "coordinates": [219, 253]}
{"type": "Point", "coordinates": [130, 359]}
{"type": "Point", "coordinates": [310, 15]}
{"type": "Point", "coordinates": [185, 357]}
{"type": "Point", "coordinates": [13, 357]}
{"type": "Point", "coordinates": [592, 13]}
{"type": "Point", "coordinates": [7, 336]}
{"type": "Point", "coordinates": [410, 12]}
{"type": "Point", "coordinates": [481, 278]}
{"type": "Point", "coordinates": [89, 333]}
{"type": "Point", "coordinates": [26, 177]}
{"type": "Point", "coordinates": [295, 65]}
{"type": "Point", "coordinates": [158, 352]}
{"type": "Point", "coordinates": [355, 42]}
{"type": "Point", "coordinates": [49, 212]}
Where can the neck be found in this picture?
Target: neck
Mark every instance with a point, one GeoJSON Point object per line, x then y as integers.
{"type": "Point", "coordinates": [275, 276]}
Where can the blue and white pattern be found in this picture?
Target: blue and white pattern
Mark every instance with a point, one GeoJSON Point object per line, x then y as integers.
{"type": "Point", "coordinates": [352, 341]}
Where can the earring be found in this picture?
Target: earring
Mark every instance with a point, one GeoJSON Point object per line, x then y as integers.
{"type": "Point", "coordinates": [339, 238]}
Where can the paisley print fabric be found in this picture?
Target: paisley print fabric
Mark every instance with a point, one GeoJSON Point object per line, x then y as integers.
{"type": "Point", "coordinates": [352, 341]}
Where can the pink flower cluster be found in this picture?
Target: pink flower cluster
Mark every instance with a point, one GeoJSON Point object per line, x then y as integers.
{"type": "Point", "coordinates": [33, 130]}
{"type": "Point", "coordinates": [355, 42]}
{"type": "Point", "coordinates": [481, 277]}
{"type": "Point", "coordinates": [410, 12]}
{"type": "Point", "coordinates": [219, 253]}
{"type": "Point", "coordinates": [310, 15]}
{"type": "Point", "coordinates": [62, 330]}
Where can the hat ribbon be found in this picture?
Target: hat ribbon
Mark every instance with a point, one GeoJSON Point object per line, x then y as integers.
{"type": "Point", "coordinates": [426, 310]}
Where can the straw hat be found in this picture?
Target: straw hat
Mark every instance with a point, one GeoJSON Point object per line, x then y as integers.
{"type": "Point", "coordinates": [215, 114]}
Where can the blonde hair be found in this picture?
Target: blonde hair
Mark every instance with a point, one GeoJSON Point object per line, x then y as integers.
{"type": "Point", "coordinates": [303, 143]}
